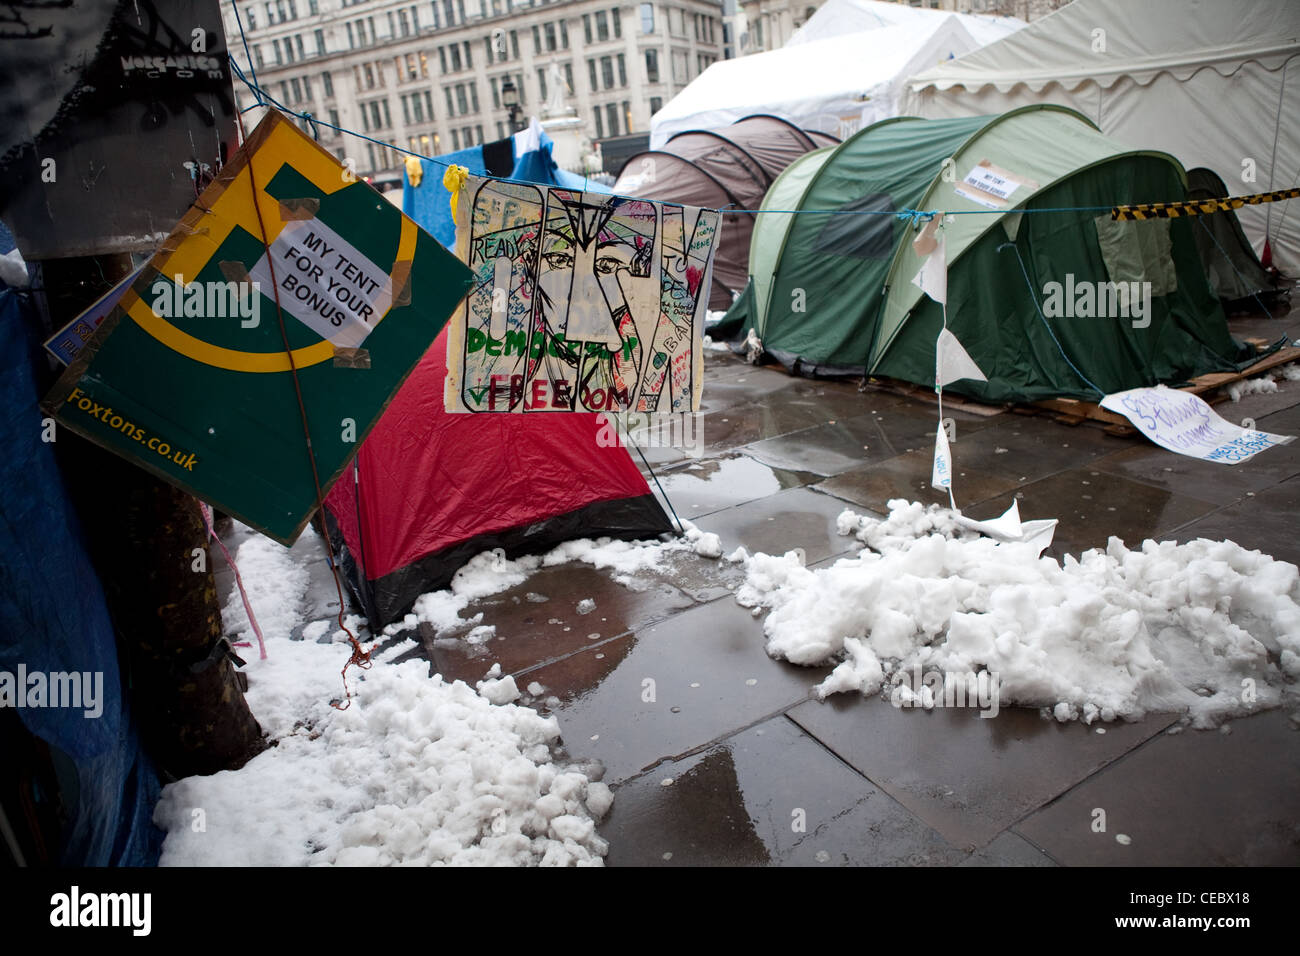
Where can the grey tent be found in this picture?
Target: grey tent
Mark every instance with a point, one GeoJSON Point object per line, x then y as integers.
{"type": "Point", "coordinates": [733, 166]}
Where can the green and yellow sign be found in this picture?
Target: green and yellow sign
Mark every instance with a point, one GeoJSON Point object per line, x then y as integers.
{"type": "Point", "coordinates": [192, 375]}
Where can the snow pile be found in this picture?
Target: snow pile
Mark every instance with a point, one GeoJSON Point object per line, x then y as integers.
{"type": "Point", "coordinates": [416, 772]}
{"type": "Point", "coordinates": [1264, 384]}
{"type": "Point", "coordinates": [1207, 629]}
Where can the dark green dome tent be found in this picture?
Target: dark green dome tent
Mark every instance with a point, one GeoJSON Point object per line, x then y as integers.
{"type": "Point", "coordinates": [832, 293]}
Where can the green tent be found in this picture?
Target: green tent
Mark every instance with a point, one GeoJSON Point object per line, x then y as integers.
{"type": "Point", "coordinates": [1034, 297]}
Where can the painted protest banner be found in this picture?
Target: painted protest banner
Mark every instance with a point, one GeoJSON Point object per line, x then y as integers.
{"type": "Point", "coordinates": [72, 338]}
{"type": "Point", "coordinates": [1182, 422]}
{"type": "Point", "coordinates": [188, 376]}
{"type": "Point", "coordinates": [580, 302]}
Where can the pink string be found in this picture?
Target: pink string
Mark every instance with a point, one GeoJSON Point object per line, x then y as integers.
{"type": "Point", "coordinates": [206, 511]}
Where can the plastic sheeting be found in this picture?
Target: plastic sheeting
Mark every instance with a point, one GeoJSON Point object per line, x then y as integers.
{"type": "Point", "coordinates": [53, 619]}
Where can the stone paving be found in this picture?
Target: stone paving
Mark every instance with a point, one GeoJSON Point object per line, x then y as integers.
{"type": "Point", "coordinates": [736, 762]}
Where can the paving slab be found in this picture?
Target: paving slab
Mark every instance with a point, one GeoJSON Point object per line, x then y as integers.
{"type": "Point", "coordinates": [844, 444]}
{"type": "Point", "coordinates": [711, 484]}
{"type": "Point", "coordinates": [1264, 522]}
{"type": "Point", "coordinates": [539, 620]}
{"type": "Point", "coordinates": [1198, 798]}
{"type": "Point", "coordinates": [967, 776]}
{"type": "Point", "coordinates": [908, 476]}
{"type": "Point", "coordinates": [1206, 480]}
{"type": "Point", "coordinates": [768, 795]}
{"type": "Point", "coordinates": [1009, 849]}
{"type": "Point", "coordinates": [1027, 448]}
{"type": "Point", "coordinates": [794, 518]}
{"type": "Point", "coordinates": [1093, 505]}
{"type": "Point", "coordinates": [705, 670]}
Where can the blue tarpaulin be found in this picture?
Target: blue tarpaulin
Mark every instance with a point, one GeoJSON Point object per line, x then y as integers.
{"type": "Point", "coordinates": [429, 204]}
{"type": "Point", "coordinates": [54, 620]}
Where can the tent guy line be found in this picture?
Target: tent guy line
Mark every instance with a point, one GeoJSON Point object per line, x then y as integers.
{"type": "Point", "coordinates": [265, 98]}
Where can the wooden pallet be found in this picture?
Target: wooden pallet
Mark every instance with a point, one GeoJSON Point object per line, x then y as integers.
{"type": "Point", "coordinates": [1073, 411]}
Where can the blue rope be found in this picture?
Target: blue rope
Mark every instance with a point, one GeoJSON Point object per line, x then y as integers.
{"type": "Point", "coordinates": [251, 68]}
{"type": "Point", "coordinates": [1034, 295]}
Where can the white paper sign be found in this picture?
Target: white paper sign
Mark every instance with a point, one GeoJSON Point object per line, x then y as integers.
{"type": "Point", "coordinates": [941, 475]}
{"type": "Point", "coordinates": [991, 185]}
{"type": "Point", "coordinates": [952, 362]}
{"type": "Point", "coordinates": [1182, 422]}
{"type": "Point", "coordinates": [933, 277]}
{"type": "Point", "coordinates": [325, 283]}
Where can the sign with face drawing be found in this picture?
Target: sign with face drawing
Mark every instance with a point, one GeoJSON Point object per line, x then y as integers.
{"type": "Point", "coordinates": [580, 302]}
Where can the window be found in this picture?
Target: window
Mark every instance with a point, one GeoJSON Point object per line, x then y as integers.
{"type": "Point", "coordinates": [442, 58]}
{"type": "Point", "coordinates": [618, 22]}
{"type": "Point", "coordinates": [428, 104]}
{"type": "Point", "coordinates": [352, 41]}
{"type": "Point", "coordinates": [591, 69]}
{"type": "Point", "coordinates": [496, 92]}
{"type": "Point", "coordinates": [652, 66]}
{"type": "Point", "coordinates": [252, 19]}
{"type": "Point", "coordinates": [501, 130]}
{"type": "Point", "coordinates": [455, 58]}
{"type": "Point", "coordinates": [455, 139]}
{"type": "Point", "coordinates": [406, 112]}
{"type": "Point", "coordinates": [327, 81]}
{"type": "Point", "coordinates": [449, 9]}
{"type": "Point", "coordinates": [679, 67]}
{"type": "Point", "coordinates": [469, 57]}
{"type": "Point", "coordinates": [479, 130]}
{"type": "Point", "coordinates": [473, 94]}
{"type": "Point", "coordinates": [514, 43]}
{"type": "Point", "coordinates": [306, 87]}
{"type": "Point", "coordinates": [297, 39]}
{"type": "Point", "coordinates": [568, 75]}
{"type": "Point", "coordinates": [656, 104]}
{"type": "Point", "coordinates": [417, 108]}
{"type": "Point", "coordinates": [537, 39]}
{"type": "Point", "coordinates": [677, 22]}
{"type": "Point", "coordinates": [334, 120]}
{"type": "Point", "coordinates": [600, 123]}
{"type": "Point", "coordinates": [586, 27]}
{"type": "Point", "coordinates": [404, 22]}
{"type": "Point", "coordinates": [425, 145]}
{"type": "Point", "coordinates": [627, 116]}
{"type": "Point", "coordinates": [451, 108]}
{"type": "Point", "coordinates": [602, 25]}
{"type": "Point", "coordinates": [564, 35]}
{"type": "Point", "coordinates": [462, 101]}
{"type": "Point", "coordinates": [541, 82]}
{"type": "Point", "coordinates": [370, 76]}
{"type": "Point", "coordinates": [611, 115]}
{"type": "Point", "coordinates": [257, 53]}
{"type": "Point", "coordinates": [275, 45]}
{"type": "Point", "coordinates": [320, 42]}
{"type": "Point", "coordinates": [622, 71]}
{"type": "Point", "coordinates": [607, 71]}
{"type": "Point", "coordinates": [647, 11]}
{"type": "Point", "coordinates": [550, 38]}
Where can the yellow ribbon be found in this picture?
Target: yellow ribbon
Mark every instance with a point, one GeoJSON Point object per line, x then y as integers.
{"type": "Point", "coordinates": [414, 170]}
{"type": "Point", "coordinates": [454, 179]}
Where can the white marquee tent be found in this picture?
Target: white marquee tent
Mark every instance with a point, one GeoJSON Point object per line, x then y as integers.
{"type": "Point", "coordinates": [1213, 82]}
{"type": "Point", "coordinates": [837, 82]}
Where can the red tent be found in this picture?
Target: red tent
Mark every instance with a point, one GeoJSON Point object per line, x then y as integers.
{"type": "Point", "coordinates": [436, 489]}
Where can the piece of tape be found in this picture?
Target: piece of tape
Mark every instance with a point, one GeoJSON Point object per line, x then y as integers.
{"type": "Point", "coordinates": [304, 207]}
{"type": "Point", "coordinates": [351, 358]}
{"type": "Point", "coordinates": [401, 276]}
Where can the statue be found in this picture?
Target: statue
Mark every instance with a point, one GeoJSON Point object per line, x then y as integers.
{"type": "Point", "coordinates": [555, 105]}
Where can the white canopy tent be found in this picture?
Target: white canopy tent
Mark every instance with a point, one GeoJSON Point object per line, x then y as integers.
{"type": "Point", "coordinates": [836, 84]}
{"type": "Point", "coordinates": [836, 18]}
{"type": "Point", "coordinates": [1215, 83]}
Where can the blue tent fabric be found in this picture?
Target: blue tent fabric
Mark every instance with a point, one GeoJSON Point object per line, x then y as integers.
{"type": "Point", "coordinates": [429, 204]}
{"type": "Point", "coordinates": [53, 618]}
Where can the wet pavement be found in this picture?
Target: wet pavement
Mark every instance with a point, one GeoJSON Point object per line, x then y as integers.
{"type": "Point", "coordinates": [720, 755]}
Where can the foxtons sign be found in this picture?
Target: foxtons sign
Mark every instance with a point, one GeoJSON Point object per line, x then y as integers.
{"type": "Point", "coordinates": [287, 267]}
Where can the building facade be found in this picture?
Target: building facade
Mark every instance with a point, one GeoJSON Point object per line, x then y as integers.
{"type": "Point", "coordinates": [428, 76]}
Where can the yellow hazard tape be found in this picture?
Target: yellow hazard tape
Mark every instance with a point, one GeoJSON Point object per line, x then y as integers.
{"type": "Point", "coordinates": [1198, 207]}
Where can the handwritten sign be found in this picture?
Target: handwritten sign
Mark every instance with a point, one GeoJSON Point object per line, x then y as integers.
{"type": "Point", "coordinates": [992, 186]}
{"type": "Point", "coordinates": [1182, 422]}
